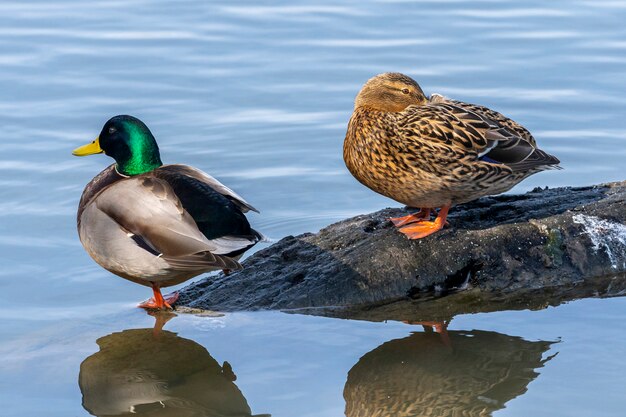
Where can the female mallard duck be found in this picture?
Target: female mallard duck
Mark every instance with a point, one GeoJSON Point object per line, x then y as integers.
{"type": "Point", "coordinates": [435, 152]}
{"type": "Point", "coordinates": [153, 224]}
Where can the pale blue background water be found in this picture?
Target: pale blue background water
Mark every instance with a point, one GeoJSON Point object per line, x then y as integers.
{"type": "Point", "coordinates": [258, 94]}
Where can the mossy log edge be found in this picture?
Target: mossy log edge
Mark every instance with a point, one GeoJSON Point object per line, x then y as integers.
{"type": "Point", "coordinates": [553, 239]}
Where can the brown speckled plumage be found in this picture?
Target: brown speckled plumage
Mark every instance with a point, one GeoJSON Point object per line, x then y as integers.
{"type": "Point", "coordinates": [434, 152]}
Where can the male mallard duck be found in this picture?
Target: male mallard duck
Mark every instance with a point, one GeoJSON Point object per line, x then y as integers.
{"type": "Point", "coordinates": [153, 224]}
{"type": "Point", "coordinates": [435, 152]}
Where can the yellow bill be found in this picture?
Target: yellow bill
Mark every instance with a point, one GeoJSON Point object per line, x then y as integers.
{"type": "Point", "coordinates": [88, 149]}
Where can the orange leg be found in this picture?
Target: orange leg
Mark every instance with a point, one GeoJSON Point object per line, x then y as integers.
{"type": "Point", "coordinates": [440, 327]}
{"type": "Point", "coordinates": [423, 214]}
{"type": "Point", "coordinates": [158, 302]}
{"type": "Point", "coordinates": [161, 317]}
{"type": "Point", "coordinates": [425, 228]}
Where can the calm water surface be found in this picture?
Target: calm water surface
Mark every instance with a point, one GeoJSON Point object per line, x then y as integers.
{"type": "Point", "coordinates": [259, 94]}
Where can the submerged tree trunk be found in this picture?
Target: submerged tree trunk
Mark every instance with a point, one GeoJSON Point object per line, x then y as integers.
{"type": "Point", "coordinates": [501, 247]}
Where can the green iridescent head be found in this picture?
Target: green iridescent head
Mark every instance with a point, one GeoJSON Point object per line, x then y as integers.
{"type": "Point", "coordinates": [129, 141]}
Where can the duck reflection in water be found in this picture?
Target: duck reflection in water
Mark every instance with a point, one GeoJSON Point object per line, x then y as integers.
{"type": "Point", "coordinates": [460, 373]}
{"type": "Point", "coordinates": [141, 372]}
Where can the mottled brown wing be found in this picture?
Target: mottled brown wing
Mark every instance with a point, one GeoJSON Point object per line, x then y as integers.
{"type": "Point", "coordinates": [473, 133]}
{"type": "Point", "coordinates": [513, 152]}
{"type": "Point", "coordinates": [499, 118]}
{"type": "Point", "coordinates": [451, 125]}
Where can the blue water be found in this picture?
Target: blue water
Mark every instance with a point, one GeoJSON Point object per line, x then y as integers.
{"type": "Point", "coordinates": [259, 94]}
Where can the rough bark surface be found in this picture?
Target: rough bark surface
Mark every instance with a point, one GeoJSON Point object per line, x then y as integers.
{"type": "Point", "coordinates": [508, 245]}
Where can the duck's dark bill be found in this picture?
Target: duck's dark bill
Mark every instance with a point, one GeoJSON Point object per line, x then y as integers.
{"type": "Point", "coordinates": [88, 149]}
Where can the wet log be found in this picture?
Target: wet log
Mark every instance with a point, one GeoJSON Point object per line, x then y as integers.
{"type": "Point", "coordinates": [509, 248]}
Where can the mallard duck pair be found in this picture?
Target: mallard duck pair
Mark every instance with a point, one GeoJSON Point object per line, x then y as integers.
{"type": "Point", "coordinates": [160, 225]}
{"type": "Point", "coordinates": [434, 152]}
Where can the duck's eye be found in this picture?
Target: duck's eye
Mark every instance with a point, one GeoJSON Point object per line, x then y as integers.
{"type": "Point", "coordinates": [112, 130]}
{"type": "Point", "coordinates": [405, 91]}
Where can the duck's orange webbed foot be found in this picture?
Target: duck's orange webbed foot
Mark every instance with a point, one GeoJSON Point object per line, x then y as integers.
{"type": "Point", "coordinates": [425, 228]}
{"type": "Point", "coordinates": [158, 302]}
{"type": "Point", "coordinates": [423, 214]}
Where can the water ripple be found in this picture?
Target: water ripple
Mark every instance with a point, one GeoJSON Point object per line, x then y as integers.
{"type": "Point", "coordinates": [273, 12]}
{"type": "Point", "coordinates": [513, 93]}
{"type": "Point", "coordinates": [367, 43]}
{"type": "Point", "coordinates": [271, 116]}
{"type": "Point", "coordinates": [513, 13]}
{"type": "Point", "coordinates": [284, 171]}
